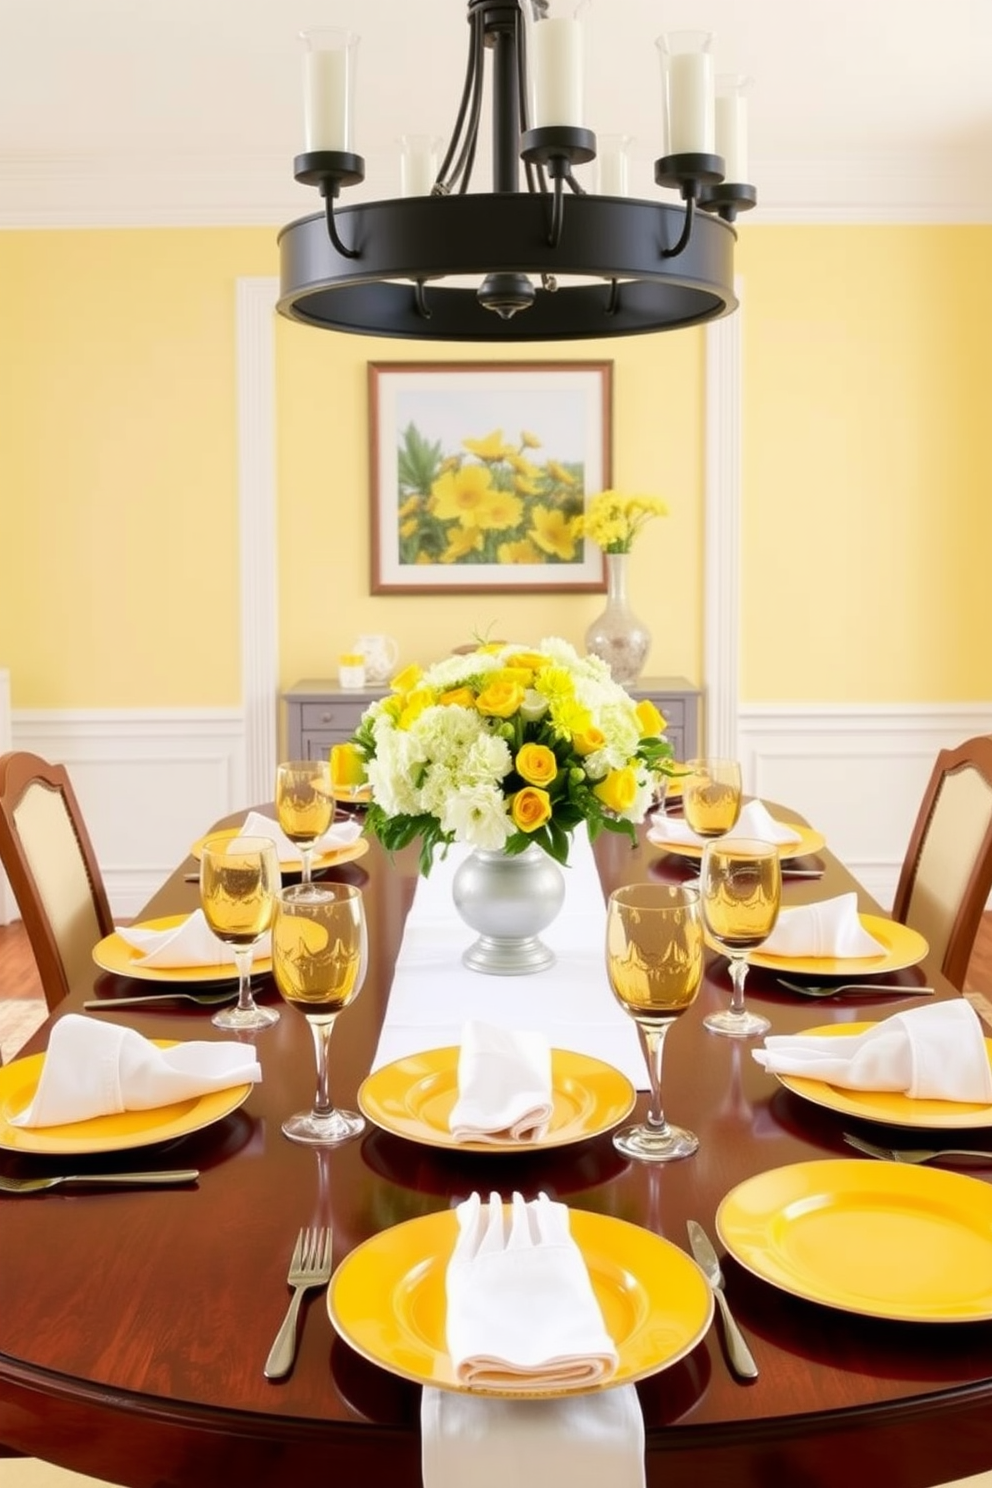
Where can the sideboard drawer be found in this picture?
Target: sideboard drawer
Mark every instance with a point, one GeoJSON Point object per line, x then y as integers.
{"type": "Point", "coordinates": [336, 715]}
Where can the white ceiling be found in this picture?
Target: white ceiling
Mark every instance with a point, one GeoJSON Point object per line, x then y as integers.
{"type": "Point", "coordinates": [190, 111]}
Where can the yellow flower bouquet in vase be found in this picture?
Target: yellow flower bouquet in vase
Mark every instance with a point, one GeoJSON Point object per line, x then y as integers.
{"type": "Point", "coordinates": [617, 636]}
{"type": "Point", "coordinates": [508, 750]}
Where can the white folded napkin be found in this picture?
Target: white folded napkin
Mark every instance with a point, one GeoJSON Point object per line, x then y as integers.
{"type": "Point", "coordinates": [93, 1068]}
{"type": "Point", "coordinates": [339, 834]}
{"type": "Point", "coordinates": [755, 820]}
{"type": "Point", "coordinates": [504, 1085]}
{"type": "Point", "coordinates": [585, 1441]}
{"type": "Point", "coordinates": [192, 943]}
{"type": "Point", "coordinates": [929, 1053]}
{"type": "Point", "coordinates": [830, 928]}
{"type": "Point", "coordinates": [521, 1309]}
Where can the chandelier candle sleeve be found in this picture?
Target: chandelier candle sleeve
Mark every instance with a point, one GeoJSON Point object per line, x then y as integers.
{"type": "Point", "coordinates": [419, 160]}
{"type": "Point", "coordinates": [687, 78]}
{"type": "Point", "coordinates": [613, 164]}
{"type": "Point", "coordinates": [731, 124]}
{"type": "Point", "coordinates": [329, 88]}
{"type": "Point", "coordinates": [558, 72]}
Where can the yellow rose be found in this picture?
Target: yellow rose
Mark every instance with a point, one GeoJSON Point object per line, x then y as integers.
{"type": "Point", "coordinates": [523, 676]}
{"type": "Point", "coordinates": [530, 808]}
{"type": "Point", "coordinates": [347, 765]}
{"type": "Point", "coordinates": [619, 790]}
{"type": "Point", "coordinates": [500, 699]}
{"type": "Point", "coordinates": [464, 697]}
{"type": "Point", "coordinates": [413, 705]}
{"type": "Point", "coordinates": [650, 720]}
{"type": "Point", "coordinates": [407, 679]}
{"type": "Point", "coordinates": [536, 763]}
{"type": "Point", "coordinates": [588, 741]}
{"type": "Point", "coordinates": [531, 660]}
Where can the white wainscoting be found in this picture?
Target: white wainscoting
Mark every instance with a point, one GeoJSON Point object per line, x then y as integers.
{"type": "Point", "coordinates": [149, 783]}
{"type": "Point", "coordinates": [856, 774]}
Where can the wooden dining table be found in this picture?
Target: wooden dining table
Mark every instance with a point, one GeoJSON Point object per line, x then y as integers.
{"type": "Point", "coordinates": [134, 1323]}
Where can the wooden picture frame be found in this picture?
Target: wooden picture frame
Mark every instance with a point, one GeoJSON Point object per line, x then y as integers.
{"type": "Point", "coordinates": [478, 470]}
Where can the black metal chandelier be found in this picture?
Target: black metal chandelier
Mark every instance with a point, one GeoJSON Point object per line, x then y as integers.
{"type": "Point", "coordinates": [398, 267]}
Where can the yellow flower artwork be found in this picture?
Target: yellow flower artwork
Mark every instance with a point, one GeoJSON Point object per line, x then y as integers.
{"type": "Point", "coordinates": [481, 475]}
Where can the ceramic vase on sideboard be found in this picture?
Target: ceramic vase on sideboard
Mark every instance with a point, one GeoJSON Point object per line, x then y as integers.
{"type": "Point", "coordinates": [617, 636]}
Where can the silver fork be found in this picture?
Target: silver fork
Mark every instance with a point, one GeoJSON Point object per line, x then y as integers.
{"type": "Point", "coordinates": [36, 1185]}
{"type": "Point", "coordinates": [913, 1154]}
{"type": "Point", "coordinates": [882, 989]}
{"type": "Point", "coordinates": [310, 1267]}
{"type": "Point", "coordinates": [202, 999]}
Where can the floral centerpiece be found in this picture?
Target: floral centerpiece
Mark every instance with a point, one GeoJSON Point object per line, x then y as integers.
{"type": "Point", "coordinates": [506, 748]}
{"type": "Point", "coordinates": [612, 521]}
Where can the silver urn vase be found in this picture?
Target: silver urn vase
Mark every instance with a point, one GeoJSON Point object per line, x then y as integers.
{"type": "Point", "coordinates": [617, 636]}
{"type": "Point", "coordinates": [508, 900]}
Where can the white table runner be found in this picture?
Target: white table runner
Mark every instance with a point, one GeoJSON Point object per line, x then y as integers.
{"type": "Point", "coordinates": [433, 994]}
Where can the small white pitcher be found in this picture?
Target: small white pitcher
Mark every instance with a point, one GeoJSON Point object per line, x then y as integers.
{"type": "Point", "coordinates": [381, 654]}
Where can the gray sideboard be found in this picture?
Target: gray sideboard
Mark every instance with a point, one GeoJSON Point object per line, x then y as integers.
{"type": "Point", "coordinates": [320, 713]}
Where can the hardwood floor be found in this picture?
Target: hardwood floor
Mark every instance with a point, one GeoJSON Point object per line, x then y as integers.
{"type": "Point", "coordinates": [22, 1006]}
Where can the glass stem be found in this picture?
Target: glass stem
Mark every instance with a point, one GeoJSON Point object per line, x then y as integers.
{"type": "Point", "coordinates": [242, 960]}
{"type": "Point", "coordinates": [322, 1028]}
{"type": "Point", "coordinates": [306, 858]}
{"type": "Point", "coordinates": [652, 1036]}
{"type": "Point", "coordinates": [738, 971]}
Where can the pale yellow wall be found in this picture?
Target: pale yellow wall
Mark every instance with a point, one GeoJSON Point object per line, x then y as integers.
{"type": "Point", "coordinates": [118, 543]}
{"type": "Point", "coordinates": [867, 554]}
{"type": "Point", "coordinates": [867, 523]}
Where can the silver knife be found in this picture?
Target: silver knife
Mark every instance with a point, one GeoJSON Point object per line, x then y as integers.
{"type": "Point", "coordinates": [740, 1356]}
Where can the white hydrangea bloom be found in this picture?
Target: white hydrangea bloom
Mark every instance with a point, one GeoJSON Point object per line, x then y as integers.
{"type": "Point", "coordinates": [478, 815]}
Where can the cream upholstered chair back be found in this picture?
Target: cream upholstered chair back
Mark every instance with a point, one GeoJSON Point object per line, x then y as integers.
{"type": "Point", "coordinates": [48, 857]}
{"type": "Point", "coordinates": [947, 872]}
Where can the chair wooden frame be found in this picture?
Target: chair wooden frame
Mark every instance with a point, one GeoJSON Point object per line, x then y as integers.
{"type": "Point", "coordinates": [973, 754]}
{"type": "Point", "coordinates": [20, 770]}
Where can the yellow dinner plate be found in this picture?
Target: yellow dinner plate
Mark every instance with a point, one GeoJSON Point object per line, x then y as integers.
{"type": "Point", "coordinates": [413, 1098]}
{"type": "Point", "coordinates": [346, 854]}
{"type": "Point", "coordinates": [387, 1298]}
{"type": "Point", "coordinates": [809, 842]}
{"type": "Point", "coordinates": [360, 797]}
{"type": "Point", "coordinates": [903, 946]}
{"type": "Point", "coordinates": [885, 1240]}
{"type": "Point", "coordinates": [19, 1081]}
{"type": "Point", "coordinates": [890, 1106]}
{"type": "Point", "coordinates": [114, 954]}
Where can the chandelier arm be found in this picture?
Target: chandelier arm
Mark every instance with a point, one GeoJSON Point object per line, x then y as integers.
{"type": "Point", "coordinates": [462, 170]}
{"type": "Point", "coordinates": [423, 309]}
{"type": "Point", "coordinates": [533, 174]}
{"type": "Point", "coordinates": [468, 87]}
{"type": "Point", "coordinates": [469, 163]}
{"type": "Point", "coordinates": [557, 211]}
{"type": "Point", "coordinates": [332, 229]}
{"type": "Point", "coordinates": [686, 233]}
{"type": "Point", "coordinates": [573, 184]}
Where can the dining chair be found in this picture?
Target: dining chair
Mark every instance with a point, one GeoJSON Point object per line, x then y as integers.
{"type": "Point", "coordinates": [46, 852]}
{"type": "Point", "coordinates": [947, 872]}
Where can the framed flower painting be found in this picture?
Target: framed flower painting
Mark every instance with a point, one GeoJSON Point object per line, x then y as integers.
{"type": "Point", "coordinates": [480, 471]}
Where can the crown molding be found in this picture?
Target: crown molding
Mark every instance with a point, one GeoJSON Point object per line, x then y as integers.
{"type": "Point", "coordinates": [118, 191]}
